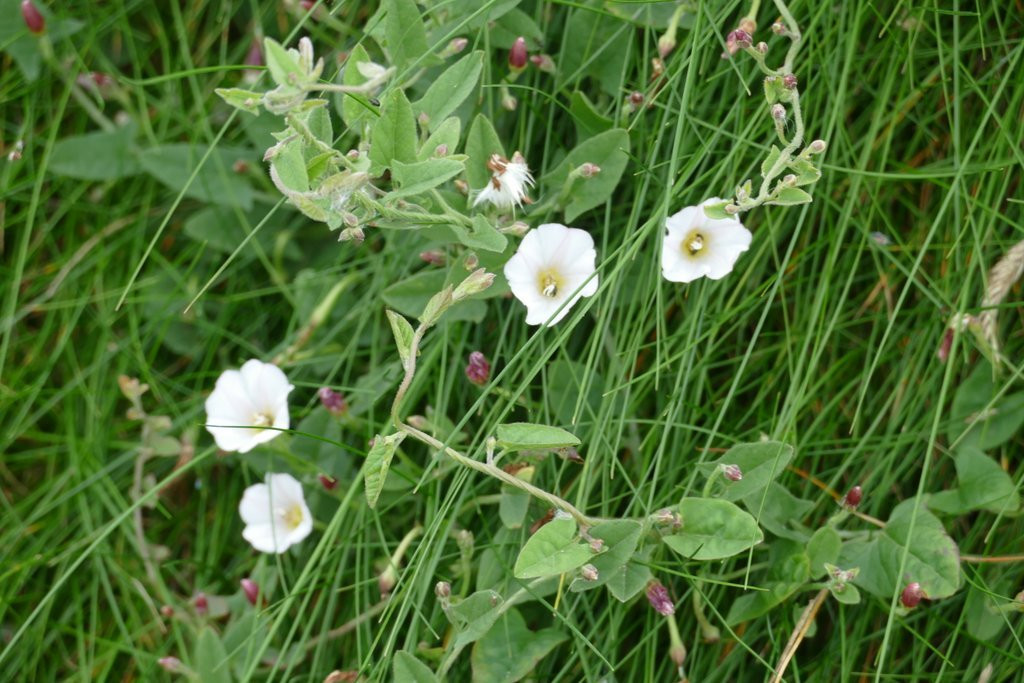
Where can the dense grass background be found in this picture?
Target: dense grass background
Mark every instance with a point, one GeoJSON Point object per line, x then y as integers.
{"type": "Point", "coordinates": [824, 336]}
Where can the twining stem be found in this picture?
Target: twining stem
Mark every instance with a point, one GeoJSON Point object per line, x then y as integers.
{"type": "Point", "coordinates": [804, 623]}
{"type": "Point", "coordinates": [484, 467]}
{"type": "Point", "coordinates": [498, 473]}
{"type": "Point", "coordinates": [791, 30]}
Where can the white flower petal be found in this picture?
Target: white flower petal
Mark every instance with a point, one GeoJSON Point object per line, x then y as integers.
{"type": "Point", "coordinates": [284, 489]}
{"type": "Point", "coordinates": [266, 538]}
{"type": "Point", "coordinates": [255, 507]}
{"type": "Point", "coordinates": [245, 400]}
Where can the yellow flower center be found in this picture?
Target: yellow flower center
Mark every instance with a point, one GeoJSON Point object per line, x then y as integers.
{"type": "Point", "coordinates": [548, 282]}
{"type": "Point", "coordinates": [693, 243]}
{"type": "Point", "coordinates": [293, 516]}
{"type": "Point", "coordinates": [262, 420]}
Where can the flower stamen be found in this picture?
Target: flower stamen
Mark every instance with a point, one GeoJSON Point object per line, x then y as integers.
{"type": "Point", "coordinates": [262, 420]}
{"type": "Point", "coordinates": [694, 242]}
{"type": "Point", "coordinates": [293, 516]}
{"type": "Point", "coordinates": [549, 284]}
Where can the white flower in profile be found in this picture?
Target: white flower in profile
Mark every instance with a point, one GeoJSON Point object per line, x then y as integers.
{"type": "Point", "coordinates": [244, 403]}
{"type": "Point", "coordinates": [550, 270]}
{"type": "Point", "coordinates": [509, 181]}
{"type": "Point", "coordinates": [275, 514]}
{"type": "Point", "coordinates": [697, 246]}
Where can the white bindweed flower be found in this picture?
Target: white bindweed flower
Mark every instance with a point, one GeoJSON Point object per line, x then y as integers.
{"type": "Point", "coordinates": [697, 246]}
{"type": "Point", "coordinates": [509, 181]}
{"type": "Point", "coordinates": [549, 269]}
{"type": "Point", "coordinates": [244, 403]}
{"type": "Point", "coordinates": [275, 514]}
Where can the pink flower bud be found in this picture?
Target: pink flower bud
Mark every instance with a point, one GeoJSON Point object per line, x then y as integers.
{"type": "Point", "coordinates": [589, 572]}
{"type": "Point", "coordinates": [911, 595]}
{"type": "Point", "coordinates": [478, 370]}
{"type": "Point", "coordinates": [732, 472]}
{"type": "Point", "coordinates": [740, 38]}
{"type": "Point", "coordinates": [251, 590]}
{"type": "Point", "coordinates": [332, 401]}
{"type": "Point", "coordinates": [762, 47]}
{"type": "Point", "coordinates": [545, 63]}
{"type": "Point", "coordinates": [852, 498]}
{"type": "Point", "coordinates": [945, 346]}
{"type": "Point", "coordinates": [167, 611]}
{"type": "Point", "coordinates": [659, 598]}
{"type": "Point", "coordinates": [778, 28]}
{"type": "Point", "coordinates": [171, 664]}
{"type": "Point", "coordinates": [200, 603]}
{"type": "Point", "coordinates": [517, 55]}
{"type": "Point", "coordinates": [789, 81]}
{"type": "Point", "coordinates": [434, 257]}
{"type": "Point", "coordinates": [327, 481]}
{"type": "Point", "coordinates": [778, 112]}
{"type": "Point", "coordinates": [33, 19]}
{"type": "Point", "coordinates": [443, 590]}
{"type": "Point", "coordinates": [817, 147]}
{"type": "Point", "coordinates": [636, 98]}
{"type": "Point", "coordinates": [255, 55]}
{"type": "Point", "coordinates": [441, 150]}
{"type": "Point", "coordinates": [457, 45]}
{"type": "Point", "coordinates": [589, 170]}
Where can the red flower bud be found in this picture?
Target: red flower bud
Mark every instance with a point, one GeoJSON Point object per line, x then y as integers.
{"type": "Point", "coordinates": [33, 19]}
{"type": "Point", "coordinates": [478, 370]}
{"type": "Point", "coordinates": [327, 481]}
{"type": "Point", "coordinates": [517, 55]}
{"type": "Point", "coordinates": [333, 401]}
{"type": "Point", "coordinates": [852, 498]}
{"type": "Point", "coordinates": [200, 603]}
{"type": "Point", "coordinates": [911, 595]}
{"type": "Point", "coordinates": [789, 81]}
{"type": "Point", "coordinates": [732, 472]}
{"type": "Point", "coordinates": [251, 590]}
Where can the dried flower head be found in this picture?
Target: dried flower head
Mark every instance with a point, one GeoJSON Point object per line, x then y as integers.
{"type": "Point", "coordinates": [509, 182]}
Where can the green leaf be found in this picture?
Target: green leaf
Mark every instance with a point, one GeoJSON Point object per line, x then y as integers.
{"type": "Point", "coordinates": [284, 67]}
{"type": "Point", "coordinates": [378, 462]}
{"type": "Point", "coordinates": [406, 37]}
{"type": "Point", "coordinates": [598, 41]}
{"type": "Point", "coordinates": [630, 579]}
{"type": "Point", "coordinates": [713, 529]}
{"type": "Point", "coordinates": [510, 651]}
{"type": "Point", "coordinates": [290, 165]}
{"type": "Point", "coordinates": [986, 427]}
{"type": "Point", "coordinates": [319, 123]}
{"type": "Point", "coordinates": [450, 89]}
{"type": "Point", "coordinates": [355, 109]}
{"type": "Point", "coordinates": [515, 502]}
{"type": "Point", "coordinates": [403, 332]}
{"type": "Point", "coordinates": [788, 571]}
{"type": "Point", "coordinates": [246, 100]}
{"type": "Point", "coordinates": [822, 549]}
{"type": "Point", "coordinates": [394, 133]}
{"type": "Point", "coordinates": [410, 296]}
{"type": "Point", "coordinates": [780, 512]}
{"type": "Point", "coordinates": [96, 156]}
{"type": "Point", "coordinates": [408, 669]}
{"type": "Point", "coordinates": [806, 172]}
{"type": "Point", "coordinates": [770, 160]}
{"type": "Point", "coordinates": [483, 235]}
{"type": "Point", "coordinates": [933, 559]}
{"type": "Point", "coordinates": [761, 463]}
{"type": "Point", "coordinates": [481, 142]}
{"type": "Point", "coordinates": [717, 211]}
{"type": "Point", "coordinates": [610, 151]}
{"type": "Point", "coordinates": [589, 122]}
{"type": "Point", "coordinates": [446, 134]}
{"type": "Point", "coordinates": [473, 617]}
{"type": "Point", "coordinates": [524, 436]}
{"type": "Point", "coordinates": [983, 485]}
{"type": "Point", "coordinates": [849, 595]}
{"type": "Point", "coordinates": [981, 608]}
{"type": "Point", "coordinates": [327, 457]}
{"type": "Point", "coordinates": [620, 538]}
{"type": "Point", "coordinates": [210, 659]}
{"type": "Point", "coordinates": [215, 182]}
{"type": "Point", "coordinates": [790, 196]}
{"type": "Point", "coordinates": [554, 549]}
{"type": "Point", "coordinates": [418, 177]}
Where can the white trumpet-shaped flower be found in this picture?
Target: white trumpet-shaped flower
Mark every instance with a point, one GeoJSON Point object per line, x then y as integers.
{"type": "Point", "coordinates": [275, 514]}
{"type": "Point", "coordinates": [552, 268]}
{"type": "Point", "coordinates": [244, 403]}
{"type": "Point", "coordinates": [697, 246]}
{"type": "Point", "coordinates": [509, 182]}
